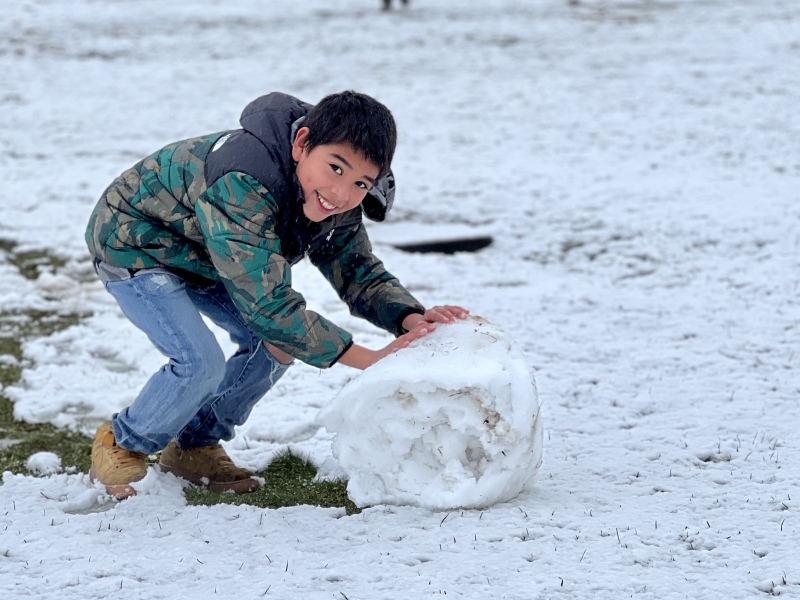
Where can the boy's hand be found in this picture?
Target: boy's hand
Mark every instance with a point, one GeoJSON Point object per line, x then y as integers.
{"type": "Point", "coordinates": [437, 314]}
{"type": "Point", "coordinates": [416, 325]}
{"type": "Point", "coordinates": [359, 357]}
{"type": "Point", "coordinates": [420, 330]}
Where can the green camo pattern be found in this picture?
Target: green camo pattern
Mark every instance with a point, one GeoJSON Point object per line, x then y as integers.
{"type": "Point", "coordinates": [160, 213]}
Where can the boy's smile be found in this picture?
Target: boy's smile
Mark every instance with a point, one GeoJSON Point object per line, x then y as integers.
{"type": "Point", "coordinates": [333, 177]}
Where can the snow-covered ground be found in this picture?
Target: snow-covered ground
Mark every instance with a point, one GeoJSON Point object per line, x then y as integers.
{"type": "Point", "coordinates": [638, 164]}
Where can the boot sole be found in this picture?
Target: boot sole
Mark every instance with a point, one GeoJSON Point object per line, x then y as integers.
{"type": "Point", "coordinates": [239, 486]}
{"type": "Point", "coordinates": [119, 491]}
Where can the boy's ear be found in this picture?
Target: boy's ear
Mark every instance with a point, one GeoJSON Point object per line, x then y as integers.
{"type": "Point", "coordinates": [299, 144]}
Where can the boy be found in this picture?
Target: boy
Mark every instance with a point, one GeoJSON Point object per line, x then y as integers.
{"type": "Point", "coordinates": [212, 226]}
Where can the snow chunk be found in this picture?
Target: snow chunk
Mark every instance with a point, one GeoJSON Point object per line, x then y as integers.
{"type": "Point", "coordinates": [44, 463]}
{"type": "Point", "coordinates": [451, 422]}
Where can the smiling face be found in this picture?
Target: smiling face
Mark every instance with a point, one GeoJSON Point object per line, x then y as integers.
{"type": "Point", "coordinates": [333, 177]}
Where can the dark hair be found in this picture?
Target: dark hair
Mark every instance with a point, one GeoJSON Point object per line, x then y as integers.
{"type": "Point", "coordinates": [355, 119]}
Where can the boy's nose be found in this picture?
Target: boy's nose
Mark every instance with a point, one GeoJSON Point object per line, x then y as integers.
{"type": "Point", "coordinates": [339, 196]}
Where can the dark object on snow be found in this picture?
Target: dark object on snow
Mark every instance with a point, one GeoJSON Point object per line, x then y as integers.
{"type": "Point", "coordinates": [448, 246]}
{"type": "Point", "coordinates": [387, 4]}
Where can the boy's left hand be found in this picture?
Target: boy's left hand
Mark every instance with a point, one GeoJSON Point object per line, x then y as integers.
{"type": "Point", "coordinates": [437, 314]}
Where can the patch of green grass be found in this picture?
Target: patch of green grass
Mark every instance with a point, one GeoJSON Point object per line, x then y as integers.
{"type": "Point", "coordinates": [23, 439]}
{"type": "Point", "coordinates": [15, 327]}
{"type": "Point", "coordinates": [18, 440]}
{"type": "Point", "coordinates": [10, 372]}
{"type": "Point", "coordinates": [28, 263]}
{"type": "Point", "coordinates": [74, 449]}
{"type": "Point", "coordinates": [288, 483]}
{"type": "Point", "coordinates": [40, 323]}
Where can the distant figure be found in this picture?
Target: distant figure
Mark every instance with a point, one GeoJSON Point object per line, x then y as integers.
{"type": "Point", "coordinates": [387, 4]}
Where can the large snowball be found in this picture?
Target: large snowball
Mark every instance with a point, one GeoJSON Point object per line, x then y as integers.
{"type": "Point", "coordinates": [452, 422]}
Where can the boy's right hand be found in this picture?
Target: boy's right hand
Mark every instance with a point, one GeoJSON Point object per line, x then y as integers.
{"type": "Point", "coordinates": [360, 357]}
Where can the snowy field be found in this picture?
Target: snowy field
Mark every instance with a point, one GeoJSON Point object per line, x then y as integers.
{"type": "Point", "coordinates": [638, 164]}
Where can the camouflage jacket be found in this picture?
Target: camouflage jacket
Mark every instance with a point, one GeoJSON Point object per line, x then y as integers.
{"type": "Point", "coordinates": [227, 207]}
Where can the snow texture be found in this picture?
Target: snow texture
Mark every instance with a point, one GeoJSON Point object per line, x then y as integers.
{"type": "Point", "coordinates": [43, 463]}
{"type": "Point", "coordinates": [451, 422]}
{"type": "Point", "coordinates": [637, 164]}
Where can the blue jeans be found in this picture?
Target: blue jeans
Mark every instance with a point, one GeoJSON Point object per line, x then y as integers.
{"type": "Point", "coordinates": [197, 397]}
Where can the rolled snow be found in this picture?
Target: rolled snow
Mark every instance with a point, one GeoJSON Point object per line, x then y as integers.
{"type": "Point", "coordinates": [451, 422]}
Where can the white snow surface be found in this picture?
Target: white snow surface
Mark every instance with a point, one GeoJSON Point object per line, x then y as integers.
{"type": "Point", "coordinates": [43, 463]}
{"type": "Point", "coordinates": [450, 422]}
{"type": "Point", "coordinates": [637, 163]}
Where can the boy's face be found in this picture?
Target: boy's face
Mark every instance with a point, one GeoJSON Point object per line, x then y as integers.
{"type": "Point", "coordinates": [333, 177]}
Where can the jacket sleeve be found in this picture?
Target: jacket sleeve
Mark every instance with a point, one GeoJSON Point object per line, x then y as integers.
{"type": "Point", "coordinates": [237, 217]}
{"type": "Point", "coordinates": [359, 277]}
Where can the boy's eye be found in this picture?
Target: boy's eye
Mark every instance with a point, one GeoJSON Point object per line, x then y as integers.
{"type": "Point", "coordinates": [362, 185]}
{"type": "Point", "coordinates": [336, 169]}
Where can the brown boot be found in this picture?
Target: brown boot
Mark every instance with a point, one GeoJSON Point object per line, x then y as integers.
{"type": "Point", "coordinates": [115, 467]}
{"type": "Point", "coordinates": [209, 467]}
